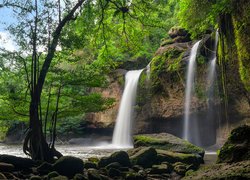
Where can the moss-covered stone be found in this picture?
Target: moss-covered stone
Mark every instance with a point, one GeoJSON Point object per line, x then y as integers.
{"type": "Point", "coordinates": [237, 147]}
{"type": "Point", "coordinates": [93, 174]}
{"type": "Point", "coordinates": [68, 166]}
{"type": "Point", "coordinates": [120, 157]}
{"type": "Point", "coordinates": [167, 142]}
{"type": "Point", "coordinates": [240, 170]}
{"type": "Point", "coordinates": [145, 157]}
{"type": "Point", "coordinates": [173, 157]}
{"type": "Point", "coordinates": [53, 174]}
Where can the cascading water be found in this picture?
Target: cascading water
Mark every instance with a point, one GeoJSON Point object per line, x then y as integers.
{"type": "Point", "coordinates": [148, 71]}
{"type": "Point", "coordinates": [123, 127]}
{"type": "Point", "coordinates": [189, 89]}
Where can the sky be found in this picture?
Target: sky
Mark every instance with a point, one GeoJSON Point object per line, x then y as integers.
{"type": "Point", "coordinates": [5, 20]}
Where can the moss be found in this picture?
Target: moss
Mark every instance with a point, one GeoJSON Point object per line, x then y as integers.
{"type": "Point", "coordinates": [237, 146]}
{"type": "Point", "coordinates": [167, 142]}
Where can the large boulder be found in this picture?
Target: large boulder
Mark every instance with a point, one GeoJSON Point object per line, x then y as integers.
{"type": "Point", "coordinates": [177, 31]}
{"type": "Point", "coordinates": [239, 170]}
{"type": "Point", "coordinates": [18, 162]}
{"type": "Point", "coordinates": [173, 157]}
{"type": "Point", "coordinates": [237, 147]}
{"type": "Point", "coordinates": [167, 142]}
{"type": "Point", "coordinates": [119, 157]}
{"type": "Point", "coordinates": [68, 166]}
{"type": "Point", "coordinates": [145, 157]}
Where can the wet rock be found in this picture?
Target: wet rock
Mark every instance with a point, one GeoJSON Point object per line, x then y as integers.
{"type": "Point", "coordinates": [160, 169]}
{"type": "Point", "coordinates": [114, 165]}
{"type": "Point", "coordinates": [181, 168]}
{"type": "Point", "coordinates": [2, 176]}
{"type": "Point", "coordinates": [137, 168]}
{"type": "Point", "coordinates": [93, 174]}
{"type": "Point", "coordinates": [145, 157]}
{"type": "Point", "coordinates": [79, 177]}
{"type": "Point", "coordinates": [89, 164]}
{"type": "Point", "coordinates": [68, 166]}
{"type": "Point", "coordinates": [173, 157]}
{"type": "Point", "coordinates": [18, 162]}
{"type": "Point", "coordinates": [120, 157]}
{"type": "Point", "coordinates": [45, 168]}
{"type": "Point", "coordinates": [182, 39]}
{"type": "Point", "coordinates": [177, 31]}
{"type": "Point", "coordinates": [6, 167]}
{"type": "Point", "coordinates": [59, 178]}
{"type": "Point", "coordinates": [135, 176]}
{"type": "Point", "coordinates": [238, 171]}
{"type": "Point", "coordinates": [35, 178]}
{"type": "Point", "coordinates": [112, 172]}
{"type": "Point", "coordinates": [168, 142]}
{"type": "Point", "coordinates": [53, 174]}
{"type": "Point", "coordinates": [237, 147]}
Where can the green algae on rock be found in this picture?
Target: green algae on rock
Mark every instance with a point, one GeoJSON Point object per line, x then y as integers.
{"type": "Point", "coordinates": [168, 142]}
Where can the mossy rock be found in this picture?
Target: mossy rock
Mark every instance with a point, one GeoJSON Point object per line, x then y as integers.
{"type": "Point", "coordinates": [120, 157]}
{"type": "Point", "coordinates": [59, 178]}
{"type": "Point", "coordinates": [237, 147]}
{"type": "Point", "coordinates": [79, 177]}
{"type": "Point", "coordinates": [113, 172]}
{"type": "Point", "coordinates": [145, 157]}
{"type": "Point", "coordinates": [36, 178]}
{"type": "Point", "coordinates": [160, 169]}
{"type": "Point", "coordinates": [239, 170]}
{"type": "Point", "coordinates": [45, 168]}
{"type": "Point", "coordinates": [68, 166]}
{"type": "Point", "coordinates": [6, 167]}
{"type": "Point", "coordinates": [173, 157]}
{"type": "Point", "coordinates": [88, 165]}
{"type": "Point", "coordinates": [53, 174]}
{"type": "Point", "coordinates": [168, 142]}
{"type": "Point", "coordinates": [18, 162]}
{"type": "Point", "coordinates": [93, 174]}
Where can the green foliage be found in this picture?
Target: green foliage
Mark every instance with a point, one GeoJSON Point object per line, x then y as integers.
{"type": "Point", "coordinates": [197, 16]}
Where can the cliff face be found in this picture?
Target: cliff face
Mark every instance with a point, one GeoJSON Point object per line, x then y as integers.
{"type": "Point", "coordinates": [160, 102]}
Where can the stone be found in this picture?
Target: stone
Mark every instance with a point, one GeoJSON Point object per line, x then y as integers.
{"type": "Point", "coordinates": [145, 157]}
{"type": "Point", "coordinates": [173, 157]}
{"type": "Point", "coordinates": [160, 169]}
{"type": "Point", "coordinates": [177, 31]}
{"type": "Point", "coordinates": [112, 172]}
{"type": "Point", "coordinates": [114, 165]}
{"type": "Point", "coordinates": [2, 176]}
{"type": "Point", "coordinates": [79, 177]}
{"type": "Point", "coordinates": [68, 166]}
{"type": "Point", "coordinates": [120, 157]}
{"type": "Point", "coordinates": [137, 168]}
{"type": "Point", "coordinates": [35, 178]}
{"type": "Point", "coordinates": [59, 178]}
{"type": "Point", "coordinates": [182, 39]}
{"type": "Point", "coordinates": [6, 167]}
{"type": "Point", "coordinates": [135, 176]}
{"type": "Point", "coordinates": [93, 174]}
{"type": "Point", "coordinates": [53, 174]}
{"type": "Point", "coordinates": [239, 171]}
{"type": "Point", "coordinates": [45, 168]}
{"type": "Point", "coordinates": [89, 164]}
{"type": "Point", "coordinates": [237, 147]}
{"type": "Point", "coordinates": [180, 168]}
{"type": "Point", "coordinates": [168, 142]}
{"type": "Point", "coordinates": [18, 162]}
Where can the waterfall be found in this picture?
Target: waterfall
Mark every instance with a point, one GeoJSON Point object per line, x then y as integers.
{"type": "Point", "coordinates": [189, 89]}
{"type": "Point", "coordinates": [148, 71]}
{"type": "Point", "coordinates": [122, 133]}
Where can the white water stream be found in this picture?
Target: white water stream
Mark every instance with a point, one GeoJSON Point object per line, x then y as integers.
{"type": "Point", "coordinates": [189, 89]}
{"type": "Point", "coordinates": [123, 128]}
